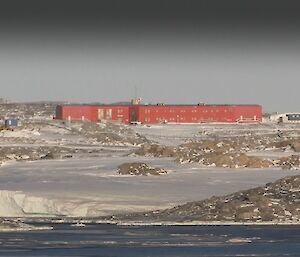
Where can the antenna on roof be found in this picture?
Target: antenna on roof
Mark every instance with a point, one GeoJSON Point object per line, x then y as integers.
{"type": "Point", "coordinates": [136, 100]}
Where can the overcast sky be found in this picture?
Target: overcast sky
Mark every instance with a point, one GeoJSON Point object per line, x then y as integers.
{"type": "Point", "coordinates": [170, 51]}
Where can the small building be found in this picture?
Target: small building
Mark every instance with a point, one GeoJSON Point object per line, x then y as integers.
{"type": "Point", "coordinates": [285, 117]}
{"type": "Point", "coordinates": [289, 118]}
{"type": "Point", "coordinates": [11, 123]}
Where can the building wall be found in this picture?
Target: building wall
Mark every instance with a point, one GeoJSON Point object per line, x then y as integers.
{"type": "Point", "coordinates": [196, 114]}
{"type": "Point", "coordinates": [93, 113]}
{"type": "Point", "coordinates": [248, 112]}
{"type": "Point", "coordinates": [286, 117]}
{"type": "Point", "coordinates": [153, 114]}
{"type": "Point", "coordinates": [75, 112]}
{"type": "Point", "coordinates": [116, 113]}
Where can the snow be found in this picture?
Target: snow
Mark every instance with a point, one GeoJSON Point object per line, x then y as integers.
{"type": "Point", "coordinates": [24, 133]}
{"type": "Point", "coordinates": [174, 134]}
{"type": "Point", "coordinates": [17, 204]}
{"type": "Point", "coordinates": [90, 186]}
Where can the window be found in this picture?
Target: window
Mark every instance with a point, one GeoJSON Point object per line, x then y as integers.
{"type": "Point", "coordinates": [109, 114]}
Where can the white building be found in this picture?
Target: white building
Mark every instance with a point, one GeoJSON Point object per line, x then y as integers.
{"type": "Point", "coordinates": [285, 117]}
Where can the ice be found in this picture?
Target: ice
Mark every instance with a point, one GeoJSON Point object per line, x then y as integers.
{"type": "Point", "coordinates": [90, 186]}
{"type": "Point", "coordinates": [18, 204]}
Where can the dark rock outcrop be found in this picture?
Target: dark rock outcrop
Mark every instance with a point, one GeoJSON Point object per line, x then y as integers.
{"type": "Point", "coordinates": [274, 202]}
{"type": "Point", "coordinates": [139, 169]}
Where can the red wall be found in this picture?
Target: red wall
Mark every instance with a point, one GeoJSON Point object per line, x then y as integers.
{"type": "Point", "coordinates": [248, 112]}
{"type": "Point", "coordinates": [90, 112]}
{"type": "Point", "coordinates": [119, 113]}
{"type": "Point", "coordinates": [158, 113]}
{"type": "Point", "coordinates": [76, 112]}
{"type": "Point", "coordinates": [195, 114]}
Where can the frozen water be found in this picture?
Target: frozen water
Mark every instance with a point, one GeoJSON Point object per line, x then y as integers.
{"type": "Point", "coordinates": [91, 186]}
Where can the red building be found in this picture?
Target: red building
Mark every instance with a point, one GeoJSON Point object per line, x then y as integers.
{"type": "Point", "coordinates": [94, 113]}
{"type": "Point", "coordinates": [152, 114]}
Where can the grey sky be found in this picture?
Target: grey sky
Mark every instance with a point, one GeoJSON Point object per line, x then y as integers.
{"type": "Point", "coordinates": [187, 64]}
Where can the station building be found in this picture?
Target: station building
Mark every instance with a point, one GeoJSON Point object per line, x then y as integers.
{"type": "Point", "coordinates": [160, 113]}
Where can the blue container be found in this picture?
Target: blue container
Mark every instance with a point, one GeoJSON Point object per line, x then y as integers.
{"type": "Point", "coordinates": [11, 123]}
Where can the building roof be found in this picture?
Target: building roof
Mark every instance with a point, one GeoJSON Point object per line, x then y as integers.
{"type": "Point", "coordinates": [162, 105]}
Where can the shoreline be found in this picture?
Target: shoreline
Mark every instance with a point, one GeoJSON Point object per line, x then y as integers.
{"type": "Point", "coordinates": [94, 221]}
{"type": "Point", "coordinates": [209, 224]}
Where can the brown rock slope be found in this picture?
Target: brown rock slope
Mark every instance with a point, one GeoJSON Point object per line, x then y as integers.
{"type": "Point", "coordinates": [139, 169]}
{"type": "Point", "coordinates": [275, 202]}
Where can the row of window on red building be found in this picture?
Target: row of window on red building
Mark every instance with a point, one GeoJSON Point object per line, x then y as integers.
{"type": "Point", "coordinates": [152, 114]}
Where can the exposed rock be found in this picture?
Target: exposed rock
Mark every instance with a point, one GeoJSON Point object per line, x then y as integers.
{"type": "Point", "coordinates": [296, 146]}
{"type": "Point", "coordinates": [222, 154]}
{"type": "Point", "coordinates": [291, 162]}
{"type": "Point", "coordinates": [139, 169]}
{"type": "Point", "coordinates": [28, 111]}
{"type": "Point", "coordinates": [156, 150]}
{"type": "Point", "coordinates": [23, 153]}
{"type": "Point", "coordinates": [13, 226]}
{"type": "Point", "coordinates": [274, 202]}
{"type": "Point", "coordinates": [109, 134]}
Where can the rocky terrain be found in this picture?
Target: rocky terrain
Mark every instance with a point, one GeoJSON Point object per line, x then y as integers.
{"type": "Point", "coordinates": [156, 150]}
{"type": "Point", "coordinates": [228, 153]}
{"type": "Point", "coordinates": [292, 162]}
{"type": "Point", "coordinates": [28, 111]}
{"type": "Point", "coordinates": [40, 137]}
{"type": "Point", "coordinates": [139, 169]}
{"type": "Point", "coordinates": [108, 134]}
{"type": "Point", "coordinates": [296, 146]}
{"type": "Point", "coordinates": [275, 202]}
{"type": "Point", "coordinates": [111, 168]}
{"type": "Point", "coordinates": [11, 226]}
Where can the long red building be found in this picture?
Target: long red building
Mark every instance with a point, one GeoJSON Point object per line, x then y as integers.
{"type": "Point", "coordinates": [153, 114]}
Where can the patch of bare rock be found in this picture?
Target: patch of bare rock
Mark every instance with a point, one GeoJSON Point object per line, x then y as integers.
{"type": "Point", "coordinates": [208, 153]}
{"type": "Point", "coordinates": [139, 169]}
{"type": "Point", "coordinates": [275, 202]}
{"type": "Point", "coordinates": [296, 146]}
{"type": "Point", "coordinates": [28, 110]}
{"type": "Point", "coordinates": [109, 134]}
{"type": "Point", "coordinates": [291, 162]}
{"type": "Point", "coordinates": [156, 150]}
{"type": "Point", "coordinates": [11, 225]}
{"type": "Point", "coordinates": [39, 153]}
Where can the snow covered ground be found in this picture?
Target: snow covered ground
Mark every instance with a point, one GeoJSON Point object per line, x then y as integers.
{"type": "Point", "coordinates": [174, 134]}
{"type": "Point", "coordinates": [88, 184]}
